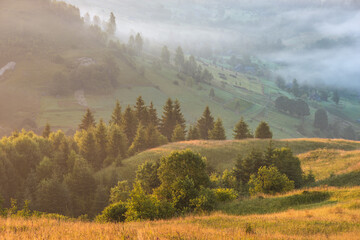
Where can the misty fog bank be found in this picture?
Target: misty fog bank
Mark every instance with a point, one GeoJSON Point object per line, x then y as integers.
{"type": "Point", "coordinates": [313, 41]}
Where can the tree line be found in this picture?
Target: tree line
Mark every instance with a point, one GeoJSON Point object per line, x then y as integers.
{"type": "Point", "coordinates": [57, 173]}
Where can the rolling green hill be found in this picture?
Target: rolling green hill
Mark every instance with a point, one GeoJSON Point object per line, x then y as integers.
{"type": "Point", "coordinates": [322, 156]}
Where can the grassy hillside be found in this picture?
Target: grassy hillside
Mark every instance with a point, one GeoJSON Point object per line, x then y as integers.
{"type": "Point", "coordinates": [336, 217]}
{"type": "Point", "coordinates": [222, 155]}
{"type": "Point", "coordinates": [51, 38]}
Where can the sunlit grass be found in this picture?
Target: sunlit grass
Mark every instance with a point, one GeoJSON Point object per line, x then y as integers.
{"type": "Point", "coordinates": [340, 220]}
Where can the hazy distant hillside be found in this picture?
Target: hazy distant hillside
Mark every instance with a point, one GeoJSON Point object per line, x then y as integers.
{"type": "Point", "coordinates": [63, 63]}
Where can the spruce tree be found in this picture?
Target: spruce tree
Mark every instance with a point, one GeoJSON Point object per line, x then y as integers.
{"type": "Point", "coordinates": [178, 134]}
{"type": "Point", "coordinates": [218, 132]}
{"type": "Point", "coordinates": [139, 43]}
{"type": "Point", "coordinates": [241, 130]}
{"type": "Point", "coordinates": [141, 111]}
{"type": "Point", "coordinates": [193, 133]}
{"type": "Point", "coordinates": [178, 116]}
{"type": "Point", "coordinates": [117, 144]}
{"type": "Point", "coordinates": [129, 124]}
{"type": "Point", "coordinates": [153, 137]}
{"type": "Point", "coordinates": [88, 121]}
{"type": "Point", "coordinates": [179, 58]}
{"type": "Point", "coordinates": [101, 141]}
{"type": "Point", "coordinates": [82, 185]}
{"type": "Point", "coordinates": [165, 55]}
{"type": "Point", "coordinates": [205, 123]}
{"type": "Point", "coordinates": [111, 26]}
{"type": "Point", "coordinates": [167, 120]}
{"type": "Point", "coordinates": [47, 131]}
{"type": "Point", "coordinates": [88, 148]}
{"type": "Point", "coordinates": [116, 117]}
{"type": "Point", "coordinates": [153, 118]}
{"type": "Point", "coordinates": [263, 131]}
{"type": "Point", "coordinates": [139, 144]}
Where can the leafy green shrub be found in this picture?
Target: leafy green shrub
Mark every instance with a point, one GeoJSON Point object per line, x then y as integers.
{"type": "Point", "coordinates": [225, 194]}
{"type": "Point", "coordinates": [113, 213]}
{"type": "Point", "coordinates": [141, 206]}
{"type": "Point", "coordinates": [269, 181]}
{"type": "Point", "coordinates": [183, 192]}
{"type": "Point", "coordinates": [205, 202]}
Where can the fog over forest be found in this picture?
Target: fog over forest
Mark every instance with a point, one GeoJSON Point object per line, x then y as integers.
{"type": "Point", "coordinates": [313, 41]}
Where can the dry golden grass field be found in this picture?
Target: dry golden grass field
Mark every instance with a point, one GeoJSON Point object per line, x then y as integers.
{"type": "Point", "coordinates": [336, 218]}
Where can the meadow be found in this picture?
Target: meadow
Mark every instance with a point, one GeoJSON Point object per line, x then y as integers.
{"type": "Point", "coordinates": [337, 216]}
{"type": "Point", "coordinates": [222, 155]}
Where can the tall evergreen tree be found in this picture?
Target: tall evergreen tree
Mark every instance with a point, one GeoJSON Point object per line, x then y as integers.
{"type": "Point", "coordinates": [153, 137]}
{"type": "Point", "coordinates": [263, 131]}
{"type": "Point", "coordinates": [179, 58]}
{"type": "Point", "coordinates": [141, 111]}
{"type": "Point", "coordinates": [241, 130]}
{"type": "Point", "coordinates": [167, 120]}
{"type": "Point", "coordinates": [101, 141]}
{"type": "Point", "coordinates": [88, 149]}
{"type": "Point", "coordinates": [129, 124]}
{"type": "Point", "coordinates": [82, 185]}
{"type": "Point", "coordinates": [88, 121]}
{"type": "Point", "coordinates": [178, 116]}
{"type": "Point", "coordinates": [139, 43]}
{"type": "Point", "coordinates": [153, 118]}
{"type": "Point", "coordinates": [111, 25]}
{"type": "Point", "coordinates": [139, 144]}
{"type": "Point", "coordinates": [218, 131]}
{"type": "Point", "coordinates": [117, 144]}
{"type": "Point", "coordinates": [47, 131]}
{"type": "Point", "coordinates": [116, 116]}
{"type": "Point", "coordinates": [193, 133]}
{"type": "Point", "coordinates": [165, 55]}
{"type": "Point", "coordinates": [205, 123]}
{"type": "Point", "coordinates": [178, 134]}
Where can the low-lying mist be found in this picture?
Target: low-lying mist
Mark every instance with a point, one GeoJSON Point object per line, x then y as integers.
{"type": "Point", "coordinates": [313, 41]}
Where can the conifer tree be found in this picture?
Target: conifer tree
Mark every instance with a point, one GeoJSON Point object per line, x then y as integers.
{"type": "Point", "coordinates": [269, 155]}
{"type": "Point", "coordinates": [88, 121]}
{"type": "Point", "coordinates": [141, 111]}
{"type": "Point", "coordinates": [178, 116]}
{"type": "Point", "coordinates": [139, 43]}
{"type": "Point", "coordinates": [47, 131]}
{"type": "Point", "coordinates": [241, 130]}
{"type": "Point", "coordinates": [117, 145]}
{"type": "Point", "coordinates": [129, 124]}
{"type": "Point", "coordinates": [263, 131]}
{"type": "Point", "coordinates": [193, 133]}
{"type": "Point", "coordinates": [178, 134]}
{"type": "Point", "coordinates": [101, 141]}
{"type": "Point", "coordinates": [167, 121]}
{"type": "Point", "coordinates": [116, 116]}
{"type": "Point", "coordinates": [205, 123]}
{"type": "Point", "coordinates": [111, 25]}
{"type": "Point", "coordinates": [139, 144]}
{"type": "Point", "coordinates": [179, 58]}
{"type": "Point", "coordinates": [82, 185]}
{"type": "Point", "coordinates": [218, 132]}
{"type": "Point", "coordinates": [153, 137]}
{"type": "Point", "coordinates": [165, 55]}
{"type": "Point", "coordinates": [153, 118]}
{"type": "Point", "coordinates": [88, 148]}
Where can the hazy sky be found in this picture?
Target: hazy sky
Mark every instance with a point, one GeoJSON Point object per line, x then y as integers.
{"type": "Point", "coordinates": [317, 40]}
